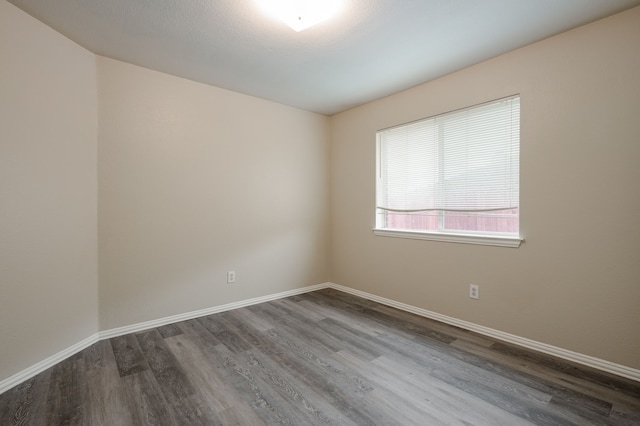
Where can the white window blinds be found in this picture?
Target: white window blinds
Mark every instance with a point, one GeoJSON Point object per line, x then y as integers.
{"type": "Point", "coordinates": [466, 161]}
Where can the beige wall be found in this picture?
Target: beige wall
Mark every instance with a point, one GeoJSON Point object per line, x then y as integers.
{"type": "Point", "coordinates": [48, 192]}
{"type": "Point", "coordinates": [196, 181]}
{"type": "Point", "coordinates": [575, 283]}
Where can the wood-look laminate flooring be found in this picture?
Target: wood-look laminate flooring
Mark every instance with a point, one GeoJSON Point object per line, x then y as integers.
{"type": "Point", "coordinates": [324, 357]}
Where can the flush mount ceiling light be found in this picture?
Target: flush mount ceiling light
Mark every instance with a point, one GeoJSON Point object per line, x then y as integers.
{"type": "Point", "coordinates": [301, 14]}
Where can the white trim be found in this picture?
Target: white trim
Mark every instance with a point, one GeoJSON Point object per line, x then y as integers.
{"type": "Point", "coordinates": [589, 361]}
{"type": "Point", "coordinates": [485, 240]}
{"type": "Point", "coordinates": [141, 326]}
{"type": "Point", "coordinates": [39, 367]}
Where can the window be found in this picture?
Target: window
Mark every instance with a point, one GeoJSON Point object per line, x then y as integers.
{"type": "Point", "coordinates": [452, 177]}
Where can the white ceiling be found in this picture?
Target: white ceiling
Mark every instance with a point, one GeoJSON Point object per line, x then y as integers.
{"type": "Point", "coordinates": [373, 49]}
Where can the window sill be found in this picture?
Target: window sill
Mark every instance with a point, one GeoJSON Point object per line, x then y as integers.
{"type": "Point", "coordinates": [485, 240]}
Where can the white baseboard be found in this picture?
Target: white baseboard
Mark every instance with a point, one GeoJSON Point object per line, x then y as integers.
{"type": "Point", "coordinates": [41, 366]}
{"type": "Point", "coordinates": [589, 361]}
{"type": "Point", "coordinates": [38, 368]}
{"type": "Point", "coordinates": [135, 328]}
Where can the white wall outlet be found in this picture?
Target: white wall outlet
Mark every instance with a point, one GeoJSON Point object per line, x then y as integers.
{"type": "Point", "coordinates": [231, 277]}
{"type": "Point", "coordinates": [474, 291]}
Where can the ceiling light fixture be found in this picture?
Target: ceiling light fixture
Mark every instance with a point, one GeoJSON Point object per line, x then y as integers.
{"type": "Point", "coordinates": [301, 14]}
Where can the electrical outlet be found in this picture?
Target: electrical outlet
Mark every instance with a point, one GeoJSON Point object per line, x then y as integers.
{"type": "Point", "coordinates": [231, 277]}
{"type": "Point", "coordinates": [474, 291]}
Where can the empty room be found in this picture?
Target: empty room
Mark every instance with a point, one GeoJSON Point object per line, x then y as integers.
{"type": "Point", "coordinates": [380, 212]}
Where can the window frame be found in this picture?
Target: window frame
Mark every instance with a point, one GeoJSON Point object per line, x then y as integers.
{"type": "Point", "coordinates": [445, 235]}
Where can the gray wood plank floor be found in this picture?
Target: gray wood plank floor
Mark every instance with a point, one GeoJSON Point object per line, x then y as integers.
{"type": "Point", "coordinates": [324, 357]}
